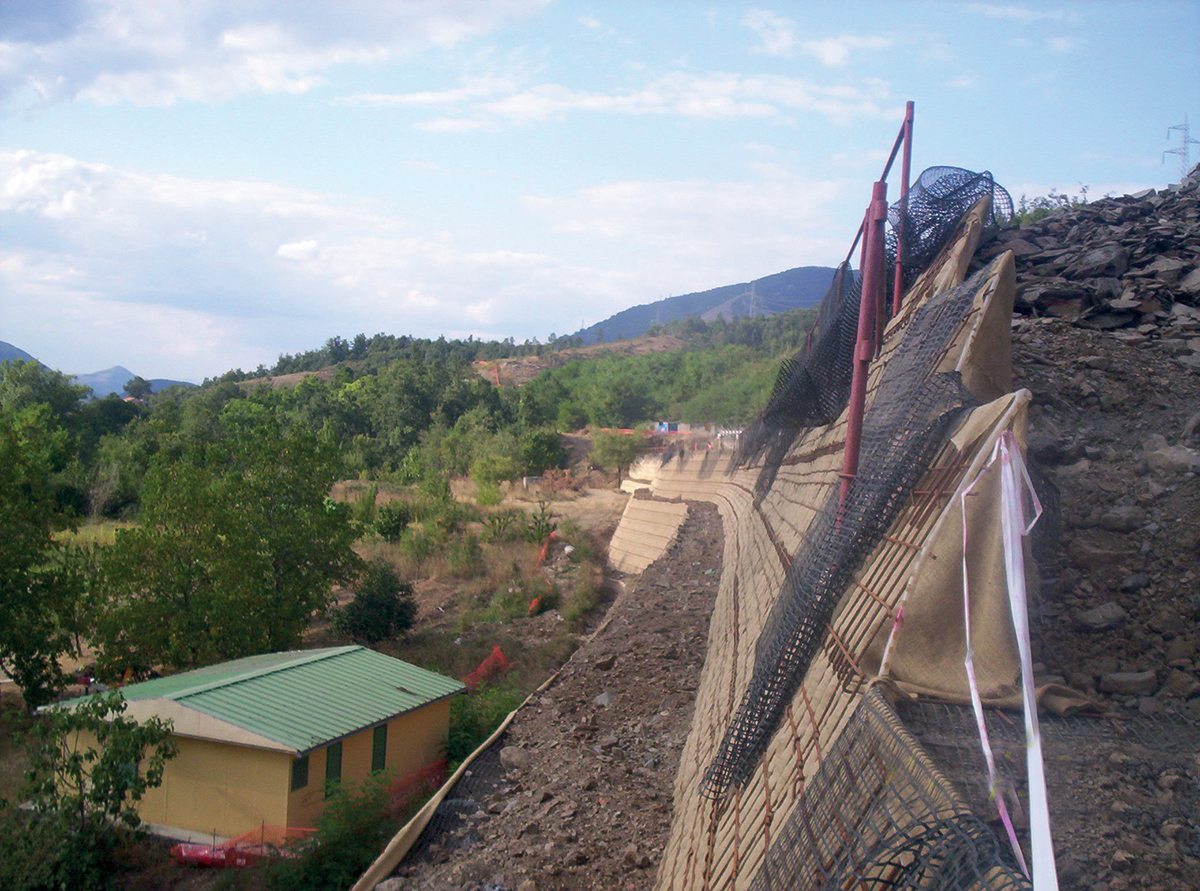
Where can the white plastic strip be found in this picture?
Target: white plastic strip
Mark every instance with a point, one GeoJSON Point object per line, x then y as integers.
{"type": "Point", "coordinates": [1014, 483]}
{"type": "Point", "coordinates": [973, 684]}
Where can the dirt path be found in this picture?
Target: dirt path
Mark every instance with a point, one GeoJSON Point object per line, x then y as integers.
{"type": "Point", "coordinates": [580, 793]}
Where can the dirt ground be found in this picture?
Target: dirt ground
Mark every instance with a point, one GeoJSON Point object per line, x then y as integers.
{"type": "Point", "coordinates": [582, 795]}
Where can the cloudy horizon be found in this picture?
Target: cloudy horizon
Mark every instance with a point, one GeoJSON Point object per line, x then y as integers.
{"type": "Point", "coordinates": [189, 188]}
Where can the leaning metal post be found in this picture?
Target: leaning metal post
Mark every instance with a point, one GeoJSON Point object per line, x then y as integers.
{"type": "Point", "coordinates": [873, 278]}
{"type": "Point", "coordinates": [905, 170]}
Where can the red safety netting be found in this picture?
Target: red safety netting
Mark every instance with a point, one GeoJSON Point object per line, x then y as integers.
{"type": "Point", "coordinates": [244, 850]}
{"type": "Point", "coordinates": [494, 665]}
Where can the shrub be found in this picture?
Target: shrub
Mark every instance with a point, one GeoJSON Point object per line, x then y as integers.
{"type": "Point", "coordinates": [392, 519]}
{"type": "Point", "coordinates": [363, 510]}
{"type": "Point", "coordinates": [382, 607]}
{"type": "Point", "coordinates": [417, 545]}
{"type": "Point", "coordinates": [1030, 210]}
{"type": "Point", "coordinates": [540, 525]}
{"type": "Point", "coordinates": [493, 468]}
{"type": "Point", "coordinates": [584, 597]}
{"type": "Point", "coordinates": [351, 831]}
{"type": "Point", "coordinates": [487, 494]}
{"type": "Point", "coordinates": [506, 526]}
{"type": "Point", "coordinates": [473, 717]}
{"type": "Point", "coordinates": [464, 556]}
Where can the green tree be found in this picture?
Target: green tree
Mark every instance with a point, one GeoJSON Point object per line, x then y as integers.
{"type": "Point", "coordinates": [89, 765]}
{"type": "Point", "coordinates": [616, 451]}
{"type": "Point", "coordinates": [383, 606]}
{"type": "Point", "coordinates": [33, 597]}
{"type": "Point", "coordinates": [238, 547]}
{"type": "Point", "coordinates": [137, 387]}
{"type": "Point", "coordinates": [541, 449]}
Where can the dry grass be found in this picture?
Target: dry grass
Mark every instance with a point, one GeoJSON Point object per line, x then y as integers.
{"type": "Point", "coordinates": [94, 532]}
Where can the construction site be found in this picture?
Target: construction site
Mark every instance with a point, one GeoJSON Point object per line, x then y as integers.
{"type": "Point", "coordinates": [929, 622]}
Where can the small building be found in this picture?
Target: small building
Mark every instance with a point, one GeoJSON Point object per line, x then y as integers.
{"type": "Point", "coordinates": [262, 740]}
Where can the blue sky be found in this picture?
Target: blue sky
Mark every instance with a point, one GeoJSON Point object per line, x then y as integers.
{"type": "Point", "coordinates": [188, 187]}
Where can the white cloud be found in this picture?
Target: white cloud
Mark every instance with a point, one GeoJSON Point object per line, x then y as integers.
{"type": "Point", "coordinates": [471, 88]}
{"type": "Point", "coordinates": [835, 51]}
{"type": "Point", "coordinates": [704, 231]}
{"type": "Point", "coordinates": [776, 33]}
{"type": "Point", "coordinates": [712, 96]}
{"type": "Point", "coordinates": [1021, 14]}
{"type": "Point", "coordinates": [778, 36]}
{"type": "Point", "coordinates": [1063, 44]}
{"type": "Point", "coordinates": [187, 278]}
{"type": "Point", "coordinates": [297, 250]}
{"type": "Point", "coordinates": [152, 53]}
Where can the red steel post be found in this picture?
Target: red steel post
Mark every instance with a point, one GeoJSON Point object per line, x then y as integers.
{"type": "Point", "coordinates": [905, 170]}
{"type": "Point", "coordinates": [873, 285]}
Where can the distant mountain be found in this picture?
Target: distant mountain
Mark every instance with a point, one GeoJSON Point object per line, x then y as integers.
{"type": "Point", "coordinates": [783, 291]}
{"type": "Point", "coordinates": [8, 352]}
{"type": "Point", "coordinates": [113, 380]}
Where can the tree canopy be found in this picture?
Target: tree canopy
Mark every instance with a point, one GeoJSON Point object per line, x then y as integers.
{"type": "Point", "coordinates": [238, 547]}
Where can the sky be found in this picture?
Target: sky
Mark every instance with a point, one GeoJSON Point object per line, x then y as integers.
{"type": "Point", "coordinates": [191, 187]}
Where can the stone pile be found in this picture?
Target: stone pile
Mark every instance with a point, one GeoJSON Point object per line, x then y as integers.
{"type": "Point", "coordinates": [1130, 265]}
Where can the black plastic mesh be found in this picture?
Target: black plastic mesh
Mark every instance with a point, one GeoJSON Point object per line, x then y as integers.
{"type": "Point", "coordinates": [878, 815]}
{"type": "Point", "coordinates": [450, 826]}
{"type": "Point", "coordinates": [813, 386]}
{"type": "Point", "coordinates": [936, 203]}
{"type": "Point", "coordinates": [904, 427]}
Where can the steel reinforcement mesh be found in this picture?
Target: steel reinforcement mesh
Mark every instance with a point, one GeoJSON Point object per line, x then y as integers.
{"type": "Point", "coordinates": [879, 814]}
{"type": "Point", "coordinates": [934, 205]}
{"type": "Point", "coordinates": [904, 427]}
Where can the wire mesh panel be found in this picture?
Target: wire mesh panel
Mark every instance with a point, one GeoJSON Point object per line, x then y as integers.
{"type": "Point", "coordinates": [732, 802]}
{"type": "Point", "coordinates": [879, 815]}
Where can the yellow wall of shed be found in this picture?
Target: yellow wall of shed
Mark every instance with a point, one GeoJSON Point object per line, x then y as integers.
{"type": "Point", "coordinates": [414, 741]}
{"type": "Point", "coordinates": [219, 788]}
{"type": "Point", "coordinates": [226, 789]}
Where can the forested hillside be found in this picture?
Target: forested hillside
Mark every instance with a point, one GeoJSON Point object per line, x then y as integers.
{"type": "Point", "coordinates": [223, 490]}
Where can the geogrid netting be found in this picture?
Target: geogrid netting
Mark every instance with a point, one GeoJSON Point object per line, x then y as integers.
{"type": "Point", "coordinates": [1077, 752]}
{"type": "Point", "coordinates": [935, 204]}
{"type": "Point", "coordinates": [813, 386]}
{"type": "Point", "coordinates": [480, 780]}
{"type": "Point", "coordinates": [876, 815]}
{"type": "Point", "coordinates": [904, 427]}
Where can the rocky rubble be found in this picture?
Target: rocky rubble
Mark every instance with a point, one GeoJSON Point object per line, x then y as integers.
{"type": "Point", "coordinates": [581, 797]}
{"type": "Point", "coordinates": [1106, 335]}
{"type": "Point", "coordinates": [1130, 265]}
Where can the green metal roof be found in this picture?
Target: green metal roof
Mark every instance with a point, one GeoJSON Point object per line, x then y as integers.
{"type": "Point", "coordinates": [303, 699]}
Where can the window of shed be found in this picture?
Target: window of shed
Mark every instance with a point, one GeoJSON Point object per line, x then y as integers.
{"type": "Point", "coordinates": [333, 767]}
{"type": "Point", "coordinates": [379, 750]}
{"type": "Point", "coordinates": [300, 773]}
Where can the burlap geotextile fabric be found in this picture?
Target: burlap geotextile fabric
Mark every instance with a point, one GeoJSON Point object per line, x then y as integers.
{"type": "Point", "coordinates": [747, 763]}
